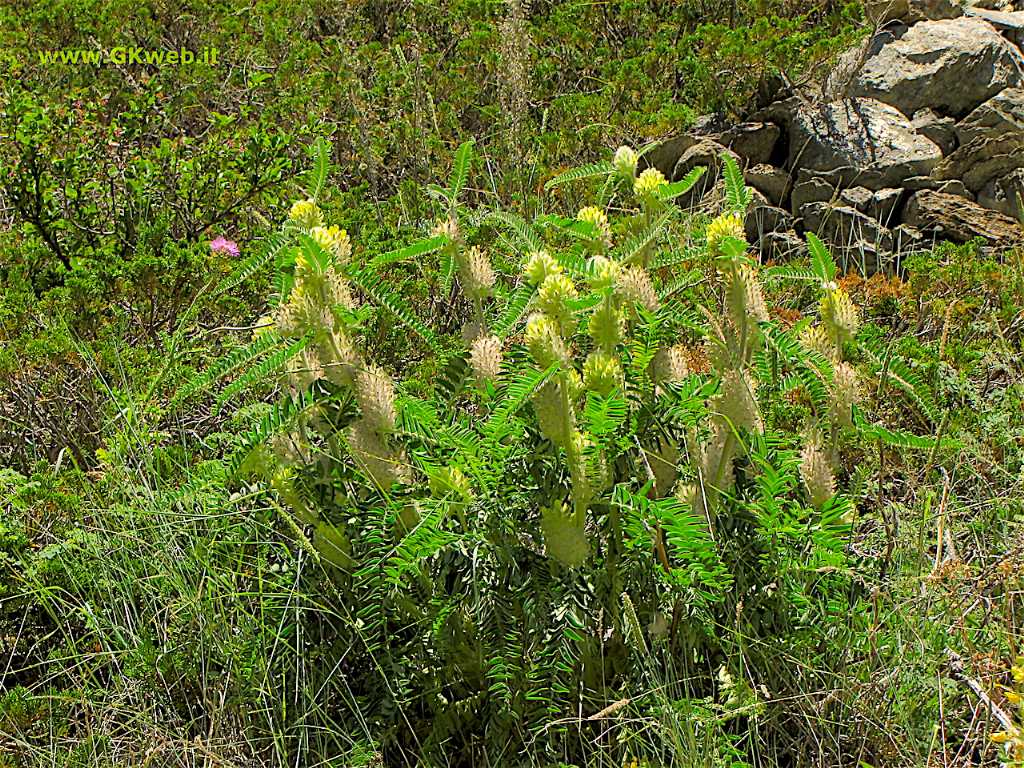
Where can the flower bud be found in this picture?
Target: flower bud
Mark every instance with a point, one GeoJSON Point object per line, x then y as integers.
{"type": "Point", "coordinates": [648, 183]}
{"type": "Point", "coordinates": [625, 161]}
{"type": "Point", "coordinates": [816, 473]}
{"type": "Point", "coordinates": [540, 266]}
{"type": "Point", "coordinates": [723, 226]}
{"type": "Point", "coordinates": [306, 214]}
{"type": "Point", "coordinates": [602, 373]}
{"type": "Point", "coordinates": [485, 359]}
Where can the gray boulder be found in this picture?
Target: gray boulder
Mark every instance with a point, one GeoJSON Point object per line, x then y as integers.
{"type": "Point", "coordinates": [1009, 23]}
{"type": "Point", "coordinates": [1004, 194]}
{"type": "Point", "coordinates": [1003, 113]}
{"type": "Point", "coordinates": [763, 217]}
{"type": "Point", "coordinates": [940, 129]}
{"type": "Point", "coordinates": [856, 239]}
{"type": "Point", "coordinates": [859, 141]}
{"type": "Point", "coordinates": [951, 66]}
{"type": "Point", "coordinates": [810, 189]}
{"type": "Point", "coordinates": [954, 218]}
{"type": "Point", "coordinates": [706, 153]}
{"type": "Point", "coordinates": [910, 11]}
{"type": "Point", "coordinates": [773, 183]}
{"type": "Point", "coordinates": [752, 141]}
{"type": "Point", "coordinates": [881, 204]}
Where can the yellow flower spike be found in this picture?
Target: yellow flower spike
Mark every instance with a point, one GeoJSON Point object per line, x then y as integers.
{"type": "Point", "coordinates": [721, 227]}
{"type": "Point", "coordinates": [1012, 696]}
{"type": "Point", "coordinates": [540, 266]}
{"type": "Point", "coordinates": [1018, 673]}
{"type": "Point", "coordinates": [625, 161]}
{"type": "Point", "coordinates": [306, 213]}
{"type": "Point", "coordinates": [1000, 737]}
{"type": "Point", "coordinates": [648, 183]}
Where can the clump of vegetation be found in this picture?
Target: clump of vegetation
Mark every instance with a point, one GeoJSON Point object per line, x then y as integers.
{"type": "Point", "coordinates": [570, 424]}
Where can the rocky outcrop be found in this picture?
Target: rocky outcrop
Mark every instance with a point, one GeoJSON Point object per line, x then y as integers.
{"type": "Point", "coordinates": [916, 136]}
{"type": "Point", "coordinates": [953, 218]}
{"type": "Point", "coordinates": [859, 140]}
{"type": "Point", "coordinates": [950, 66]}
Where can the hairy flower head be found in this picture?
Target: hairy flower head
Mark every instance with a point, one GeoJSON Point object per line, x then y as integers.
{"type": "Point", "coordinates": [375, 394]}
{"type": "Point", "coordinates": [554, 292]}
{"type": "Point", "coordinates": [649, 182]}
{"type": "Point", "coordinates": [625, 160]}
{"type": "Point", "coordinates": [669, 365]}
{"type": "Point", "coordinates": [476, 274]}
{"type": "Point", "coordinates": [485, 359]}
{"type": "Point", "coordinates": [603, 272]}
{"type": "Point", "coordinates": [599, 219]}
{"type": "Point", "coordinates": [385, 465]}
{"type": "Point", "coordinates": [745, 297]}
{"type": "Point", "coordinates": [816, 473]}
{"type": "Point", "coordinates": [544, 341]}
{"type": "Point", "coordinates": [602, 373]}
{"type": "Point", "coordinates": [839, 315]}
{"type": "Point", "coordinates": [334, 240]}
{"type": "Point", "coordinates": [736, 401]}
{"type": "Point", "coordinates": [723, 226]}
{"type": "Point", "coordinates": [845, 389]}
{"type": "Point", "coordinates": [565, 538]}
{"type": "Point", "coordinates": [635, 285]}
{"type": "Point", "coordinates": [607, 325]}
{"type": "Point", "coordinates": [449, 481]}
{"type": "Point", "coordinates": [540, 266]}
{"type": "Point", "coordinates": [815, 338]}
{"type": "Point", "coordinates": [306, 213]}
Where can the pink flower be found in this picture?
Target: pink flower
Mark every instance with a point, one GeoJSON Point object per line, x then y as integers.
{"type": "Point", "coordinates": [222, 245]}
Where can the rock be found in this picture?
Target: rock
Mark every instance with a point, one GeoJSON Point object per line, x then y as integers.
{"type": "Point", "coordinates": [810, 189]}
{"type": "Point", "coordinates": [783, 246]}
{"type": "Point", "coordinates": [854, 238]}
{"type": "Point", "coordinates": [773, 183]}
{"type": "Point", "coordinates": [941, 130]}
{"type": "Point", "coordinates": [951, 66]}
{"type": "Point", "coordinates": [906, 239]}
{"type": "Point", "coordinates": [949, 186]}
{"type": "Point", "coordinates": [991, 142]}
{"type": "Point", "coordinates": [762, 218]}
{"type": "Point", "coordinates": [954, 218]}
{"type": "Point", "coordinates": [849, 64]}
{"type": "Point", "coordinates": [880, 205]}
{"type": "Point", "coordinates": [1004, 194]}
{"type": "Point", "coordinates": [753, 141]}
{"type": "Point", "coordinates": [990, 5]}
{"type": "Point", "coordinates": [861, 141]}
{"type": "Point", "coordinates": [977, 163]}
{"type": "Point", "coordinates": [1010, 24]}
{"type": "Point", "coordinates": [1003, 113]}
{"type": "Point", "coordinates": [665, 156]}
{"type": "Point", "coordinates": [708, 154]}
{"type": "Point", "coordinates": [910, 11]}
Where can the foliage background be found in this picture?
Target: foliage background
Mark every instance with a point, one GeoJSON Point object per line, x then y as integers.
{"type": "Point", "coordinates": [149, 615]}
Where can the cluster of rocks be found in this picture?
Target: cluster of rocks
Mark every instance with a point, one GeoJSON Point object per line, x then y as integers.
{"type": "Point", "coordinates": [916, 136]}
